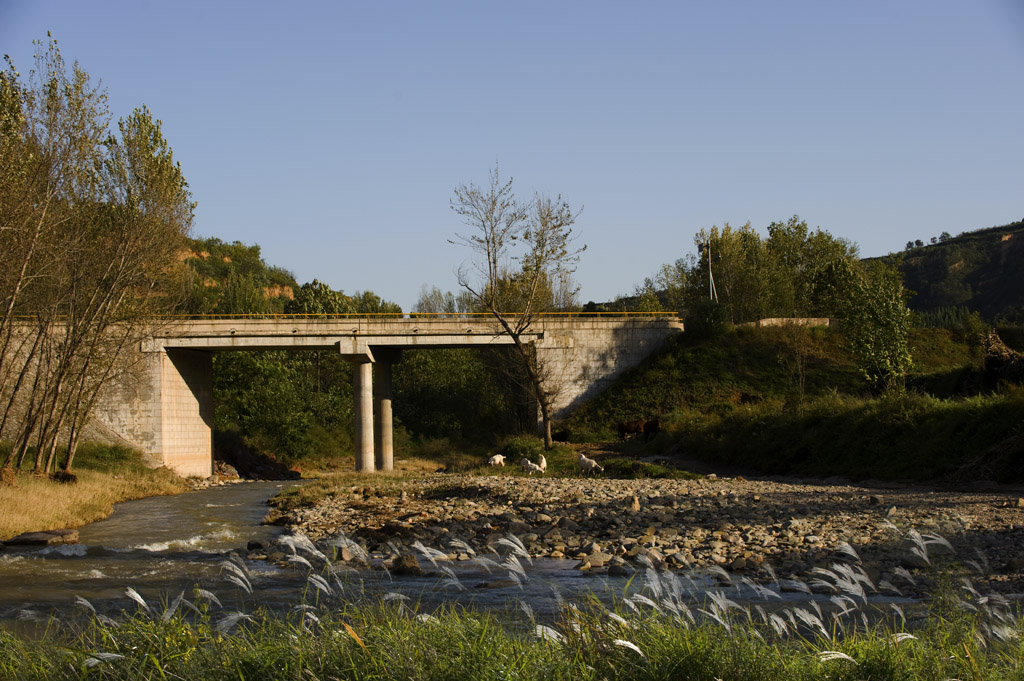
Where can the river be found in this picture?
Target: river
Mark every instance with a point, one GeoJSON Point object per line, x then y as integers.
{"type": "Point", "coordinates": [163, 546]}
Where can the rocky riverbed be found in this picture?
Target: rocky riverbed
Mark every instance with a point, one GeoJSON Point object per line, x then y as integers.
{"type": "Point", "coordinates": [759, 528]}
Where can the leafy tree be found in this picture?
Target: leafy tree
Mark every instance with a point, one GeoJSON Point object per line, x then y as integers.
{"type": "Point", "coordinates": [261, 394]}
{"type": "Point", "coordinates": [786, 274]}
{"type": "Point", "coordinates": [91, 221]}
{"type": "Point", "coordinates": [317, 298]}
{"type": "Point", "coordinates": [538, 237]}
{"type": "Point", "coordinates": [876, 322]}
{"type": "Point", "coordinates": [368, 302]}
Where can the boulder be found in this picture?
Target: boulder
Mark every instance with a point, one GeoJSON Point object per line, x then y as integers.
{"type": "Point", "coordinates": [48, 538]}
{"type": "Point", "coordinates": [406, 565]}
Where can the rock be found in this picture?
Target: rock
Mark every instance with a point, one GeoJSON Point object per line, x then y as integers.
{"type": "Point", "coordinates": [620, 570]}
{"type": "Point", "coordinates": [406, 565]}
{"type": "Point", "coordinates": [254, 545]}
{"type": "Point", "coordinates": [634, 504]}
{"type": "Point", "coordinates": [48, 538]}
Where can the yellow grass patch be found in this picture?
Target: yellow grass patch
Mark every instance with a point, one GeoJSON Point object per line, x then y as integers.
{"type": "Point", "coordinates": [34, 503]}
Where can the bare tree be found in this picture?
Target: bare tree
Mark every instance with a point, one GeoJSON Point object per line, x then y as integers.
{"type": "Point", "coordinates": [524, 259]}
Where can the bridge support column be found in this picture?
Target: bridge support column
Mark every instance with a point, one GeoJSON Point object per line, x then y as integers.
{"type": "Point", "coordinates": [362, 374]}
{"type": "Point", "coordinates": [385, 430]}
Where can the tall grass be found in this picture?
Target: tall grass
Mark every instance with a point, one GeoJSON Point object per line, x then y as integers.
{"type": "Point", "coordinates": [663, 626]}
{"type": "Point", "coordinates": [653, 638]}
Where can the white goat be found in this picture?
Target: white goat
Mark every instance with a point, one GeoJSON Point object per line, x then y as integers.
{"type": "Point", "coordinates": [588, 465]}
{"type": "Point", "coordinates": [530, 467]}
{"type": "Point", "coordinates": [496, 460]}
{"type": "Point", "coordinates": [543, 463]}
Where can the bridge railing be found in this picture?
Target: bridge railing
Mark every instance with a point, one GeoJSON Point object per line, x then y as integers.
{"type": "Point", "coordinates": [480, 316]}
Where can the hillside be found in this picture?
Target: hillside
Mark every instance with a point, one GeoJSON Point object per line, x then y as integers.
{"type": "Point", "coordinates": [233, 278]}
{"type": "Point", "coordinates": [789, 401]}
{"type": "Point", "coordinates": [982, 271]}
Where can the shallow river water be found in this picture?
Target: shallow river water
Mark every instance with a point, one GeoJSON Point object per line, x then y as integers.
{"type": "Point", "coordinates": [162, 546]}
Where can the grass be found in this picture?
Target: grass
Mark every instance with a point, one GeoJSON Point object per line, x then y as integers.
{"type": "Point", "coordinates": [106, 476]}
{"type": "Point", "coordinates": [662, 627]}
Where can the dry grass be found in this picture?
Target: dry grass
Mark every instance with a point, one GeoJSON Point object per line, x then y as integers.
{"type": "Point", "coordinates": [34, 503]}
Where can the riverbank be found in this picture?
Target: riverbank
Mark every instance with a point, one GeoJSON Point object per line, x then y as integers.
{"type": "Point", "coordinates": [35, 503]}
{"type": "Point", "coordinates": [745, 526]}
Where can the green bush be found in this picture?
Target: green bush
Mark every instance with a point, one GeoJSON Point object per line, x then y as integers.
{"type": "Point", "coordinates": [517, 447]}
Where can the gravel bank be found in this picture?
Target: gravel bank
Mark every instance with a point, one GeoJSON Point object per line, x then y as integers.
{"type": "Point", "coordinates": [744, 526]}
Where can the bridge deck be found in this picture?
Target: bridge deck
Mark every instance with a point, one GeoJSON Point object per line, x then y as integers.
{"type": "Point", "coordinates": [354, 335]}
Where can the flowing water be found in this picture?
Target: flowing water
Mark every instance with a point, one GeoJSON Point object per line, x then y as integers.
{"type": "Point", "coordinates": [162, 546]}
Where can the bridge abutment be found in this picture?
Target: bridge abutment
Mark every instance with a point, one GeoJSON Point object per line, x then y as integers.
{"type": "Point", "coordinates": [166, 410]}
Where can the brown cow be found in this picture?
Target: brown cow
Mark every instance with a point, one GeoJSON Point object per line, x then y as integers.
{"type": "Point", "coordinates": [651, 428]}
{"type": "Point", "coordinates": [631, 428]}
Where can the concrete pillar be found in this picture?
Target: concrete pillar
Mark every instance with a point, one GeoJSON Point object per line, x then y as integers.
{"type": "Point", "coordinates": [385, 431]}
{"type": "Point", "coordinates": [362, 380]}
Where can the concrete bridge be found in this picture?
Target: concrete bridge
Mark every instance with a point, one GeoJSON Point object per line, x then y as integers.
{"type": "Point", "coordinates": [168, 412]}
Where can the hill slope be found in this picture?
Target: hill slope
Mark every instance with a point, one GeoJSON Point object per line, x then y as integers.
{"type": "Point", "coordinates": [982, 271]}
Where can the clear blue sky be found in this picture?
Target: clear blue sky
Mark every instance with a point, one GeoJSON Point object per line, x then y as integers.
{"type": "Point", "coordinates": [333, 133]}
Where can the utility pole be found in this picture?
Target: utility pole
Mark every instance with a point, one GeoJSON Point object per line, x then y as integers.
{"type": "Point", "coordinates": [712, 291]}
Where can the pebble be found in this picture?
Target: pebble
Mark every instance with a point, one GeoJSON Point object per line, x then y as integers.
{"type": "Point", "coordinates": [679, 524]}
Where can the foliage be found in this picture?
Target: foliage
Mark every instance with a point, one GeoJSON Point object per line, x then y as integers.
{"type": "Point", "coordinates": [738, 400]}
{"type": "Point", "coordinates": [787, 274]}
{"type": "Point", "coordinates": [456, 393]}
{"type": "Point", "coordinates": [876, 321]}
{"type": "Point", "coordinates": [234, 279]}
{"type": "Point", "coordinates": [628, 469]}
{"type": "Point", "coordinates": [91, 220]}
{"type": "Point", "coordinates": [517, 448]}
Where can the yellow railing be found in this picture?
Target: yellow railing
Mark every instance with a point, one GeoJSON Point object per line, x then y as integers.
{"type": "Point", "coordinates": [412, 315]}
